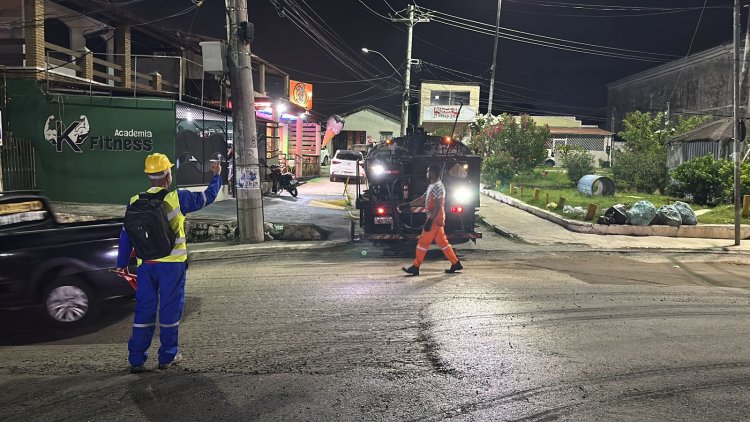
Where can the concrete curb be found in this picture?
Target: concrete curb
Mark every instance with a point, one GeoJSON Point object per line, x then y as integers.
{"type": "Point", "coordinates": [499, 230]}
{"type": "Point", "coordinates": [205, 252]}
{"type": "Point", "coordinates": [703, 231]}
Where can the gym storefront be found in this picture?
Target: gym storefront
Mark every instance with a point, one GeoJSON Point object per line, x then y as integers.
{"type": "Point", "coordinates": [92, 149]}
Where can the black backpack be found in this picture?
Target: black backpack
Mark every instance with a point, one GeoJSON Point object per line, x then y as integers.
{"type": "Point", "coordinates": [148, 227]}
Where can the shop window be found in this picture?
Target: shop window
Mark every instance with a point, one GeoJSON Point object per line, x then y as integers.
{"type": "Point", "coordinates": [447, 98]}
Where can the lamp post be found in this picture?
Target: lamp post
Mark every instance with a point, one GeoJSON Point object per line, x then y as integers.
{"type": "Point", "coordinates": [405, 106]}
{"type": "Point", "coordinates": [367, 50]}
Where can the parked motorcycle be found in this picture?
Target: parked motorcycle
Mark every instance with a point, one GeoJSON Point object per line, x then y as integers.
{"type": "Point", "coordinates": [285, 181]}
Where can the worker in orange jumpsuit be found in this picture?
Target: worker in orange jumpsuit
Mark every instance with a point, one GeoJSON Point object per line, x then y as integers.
{"type": "Point", "coordinates": [434, 227]}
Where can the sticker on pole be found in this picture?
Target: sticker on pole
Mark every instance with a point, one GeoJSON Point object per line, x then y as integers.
{"type": "Point", "coordinates": [248, 179]}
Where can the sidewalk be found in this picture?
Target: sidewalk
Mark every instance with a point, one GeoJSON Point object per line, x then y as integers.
{"type": "Point", "coordinates": [516, 223]}
{"type": "Point", "coordinates": [308, 208]}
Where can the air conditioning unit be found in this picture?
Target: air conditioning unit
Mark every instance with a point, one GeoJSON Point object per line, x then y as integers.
{"type": "Point", "coordinates": [214, 56]}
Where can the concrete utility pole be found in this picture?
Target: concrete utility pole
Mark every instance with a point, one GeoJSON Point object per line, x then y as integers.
{"type": "Point", "coordinates": [494, 59]}
{"type": "Point", "coordinates": [247, 165]}
{"type": "Point", "coordinates": [410, 21]}
{"type": "Point", "coordinates": [736, 117]}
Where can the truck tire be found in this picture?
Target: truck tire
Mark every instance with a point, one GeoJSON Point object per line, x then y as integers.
{"type": "Point", "coordinates": [69, 302]}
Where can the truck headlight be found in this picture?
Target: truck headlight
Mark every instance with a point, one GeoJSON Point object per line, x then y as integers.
{"type": "Point", "coordinates": [462, 195]}
{"type": "Point", "coordinates": [377, 169]}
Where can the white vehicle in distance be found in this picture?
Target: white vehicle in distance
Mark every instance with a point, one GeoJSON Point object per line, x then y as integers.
{"type": "Point", "coordinates": [325, 158]}
{"type": "Point", "coordinates": [344, 165]}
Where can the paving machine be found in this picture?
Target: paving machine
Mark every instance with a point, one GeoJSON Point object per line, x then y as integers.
{"type": "Point", "coordinates": [396, 174]}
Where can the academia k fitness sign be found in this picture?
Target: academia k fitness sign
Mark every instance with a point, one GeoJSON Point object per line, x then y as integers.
{"type": "Point", "coordinates": [75, 137]}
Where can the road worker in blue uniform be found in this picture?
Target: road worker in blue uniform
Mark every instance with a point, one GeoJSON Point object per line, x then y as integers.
{"type": "Point", "coordinates": [161, 282]}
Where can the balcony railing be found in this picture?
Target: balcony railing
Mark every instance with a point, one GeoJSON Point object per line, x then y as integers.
{"type": "Point", "coordinates": [148, 74]}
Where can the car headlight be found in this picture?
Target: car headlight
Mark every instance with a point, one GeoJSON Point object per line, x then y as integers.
{"type": "Point", "coordinates": [377, 169]}
{"type": "Point", "coordinates": [462, 195]}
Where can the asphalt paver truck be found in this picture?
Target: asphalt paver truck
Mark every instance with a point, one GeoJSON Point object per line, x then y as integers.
{"type": "Point", "coordinates": [396, 174]}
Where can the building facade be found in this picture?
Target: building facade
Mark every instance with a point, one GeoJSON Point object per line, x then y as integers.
{"type": "Point", "coordinates": [443, 104]}
{"type": "Point", "coordinates": [700, 84]}
{"type": "Point", "coordinates": [366, 124]}
{"type": "Point", "coordinates": [86, 98]}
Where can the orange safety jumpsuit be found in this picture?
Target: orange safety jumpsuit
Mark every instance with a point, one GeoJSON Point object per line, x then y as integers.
{"type": "Point", "coordinates": [435, 204]}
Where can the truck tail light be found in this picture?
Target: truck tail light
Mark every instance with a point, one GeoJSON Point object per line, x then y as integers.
{"type": "Point", "coordinates": [380, 211]}
{"type": "Point", "coordinates": [457, 210]}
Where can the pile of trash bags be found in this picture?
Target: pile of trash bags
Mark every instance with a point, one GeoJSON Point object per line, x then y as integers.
{"type": "Point", "coordinates": [644, 213]}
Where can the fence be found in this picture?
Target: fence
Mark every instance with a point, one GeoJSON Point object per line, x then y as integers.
{"type": "Point", "coordinates": [17, 161]}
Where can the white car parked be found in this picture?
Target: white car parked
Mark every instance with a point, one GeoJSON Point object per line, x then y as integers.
{"type": "Point", "coordinates": [344, 165]}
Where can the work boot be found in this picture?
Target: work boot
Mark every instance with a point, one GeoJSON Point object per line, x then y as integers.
{"type": "Point", "coordinates": [177, 359]}
{"type": "Point", "coordinates": [411, 270]}
{"type": "Point", "coordinates": [137, 369]}
{"type": "Point", "coordinates": [454, 267]}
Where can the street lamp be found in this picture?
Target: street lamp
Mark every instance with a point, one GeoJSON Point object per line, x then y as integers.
{"type": "Point", "coordinates": [405, 104]}
{"type": "Point", "coordinates": [366, 50]}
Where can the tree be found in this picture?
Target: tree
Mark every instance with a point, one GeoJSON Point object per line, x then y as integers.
{"type": "Point", "coordinates": [642, 164]}
{"type": "Point", "coordinates": [518, 138]}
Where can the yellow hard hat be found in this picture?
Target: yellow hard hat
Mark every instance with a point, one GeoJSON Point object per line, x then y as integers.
{"type": "Point", "coordinates": [157, 163]}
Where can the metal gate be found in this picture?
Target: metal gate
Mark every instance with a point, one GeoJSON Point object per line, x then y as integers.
{"type": "Point", "coordinates": [17, 162]}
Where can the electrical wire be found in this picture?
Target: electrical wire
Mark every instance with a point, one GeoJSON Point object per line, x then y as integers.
{"type": "Point", "coordinates": [489, 29]}
{"type": "Point", "coordinates": [372, 10]}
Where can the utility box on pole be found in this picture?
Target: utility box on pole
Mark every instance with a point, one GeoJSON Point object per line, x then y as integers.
{"type": "Point", "coordinates": [214, 57]}
{"type": "Point", "coordinates": [247, 164]}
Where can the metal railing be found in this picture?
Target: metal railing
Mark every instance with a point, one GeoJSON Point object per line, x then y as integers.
{"type": "Point", "coordinates": [18, 166]}
{"type": "Point", "coordinates": [149, 73]}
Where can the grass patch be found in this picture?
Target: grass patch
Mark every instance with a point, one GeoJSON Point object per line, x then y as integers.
{"type": "Point", "coordinates": [723, 214]}
{"type": "Point", "coordinates": [542, 177]}
{"type": "Point", "coordinates": [555, 182]}
{"type": "Point", "coordinates": [574, 198]}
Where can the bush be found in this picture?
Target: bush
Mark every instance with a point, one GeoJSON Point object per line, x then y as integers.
{"type": "Point", "coordinates": [498, 167]}
{"type": "Point", "coordinates": [700, 177]}
{"type": "Point", "coordinates": [644, 171]}
{"type": "Point", "coordinates": [708, 180]}
{"type": "Point", "coordinates": [579, 163]}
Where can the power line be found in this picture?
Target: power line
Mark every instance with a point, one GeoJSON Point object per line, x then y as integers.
{"type": "Point", "coordinates": [469, 23]}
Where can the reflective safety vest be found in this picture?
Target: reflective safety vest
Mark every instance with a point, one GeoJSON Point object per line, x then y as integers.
{"type": "Point", "coordinates": [176, 221]}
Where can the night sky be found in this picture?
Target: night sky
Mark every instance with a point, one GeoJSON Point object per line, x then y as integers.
{"type": "Point", "coordinates": [530, 77]}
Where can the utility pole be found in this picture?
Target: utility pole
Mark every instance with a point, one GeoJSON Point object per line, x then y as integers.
{"type": "Point", "coordinates": [736, 117]}
{"type": "Point", "coordinates": [494, 59]}
{"type": "Point", "coordinates": [410, 21]}
{"type": "Point", "coordinates": [247, 171]}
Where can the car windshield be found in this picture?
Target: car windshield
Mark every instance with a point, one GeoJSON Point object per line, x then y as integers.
{"type": "Point", "coordinates": [349, 155]}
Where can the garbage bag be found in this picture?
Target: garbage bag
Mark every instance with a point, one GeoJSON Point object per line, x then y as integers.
{"type": "Point", "coordinates": [616, 214]}
{"type": "Point", "coordinates": [574, 212]}
{"type": "Point", "coordinates": [641, 214]}
{"type": "Point", "coordinates": [669, 216]}
{"type": "Point", "coordinates": [687, 214]}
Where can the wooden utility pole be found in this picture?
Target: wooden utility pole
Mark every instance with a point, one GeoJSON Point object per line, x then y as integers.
{"type": "Point", "coordinates": [494, 59]}
{"type": "Point", "coordinates": [247, 165]}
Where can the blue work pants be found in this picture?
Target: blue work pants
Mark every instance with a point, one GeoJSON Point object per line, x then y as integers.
{"type": "Point", "coordinates": [161, 285]}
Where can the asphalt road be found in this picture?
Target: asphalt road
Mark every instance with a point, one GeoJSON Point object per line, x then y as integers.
{"type": "Point", "coordinates": [522, 334]}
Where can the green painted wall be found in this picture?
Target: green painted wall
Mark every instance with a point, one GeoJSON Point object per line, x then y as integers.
{"type": "Point", "coordinates": [104, 166]}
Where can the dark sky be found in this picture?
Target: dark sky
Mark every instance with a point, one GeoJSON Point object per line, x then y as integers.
{"type": "Point", "coordinates": [530, 77]}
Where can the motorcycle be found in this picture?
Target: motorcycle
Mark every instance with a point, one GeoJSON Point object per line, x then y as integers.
{"type": "Point", "coordinates": [285, 181]}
